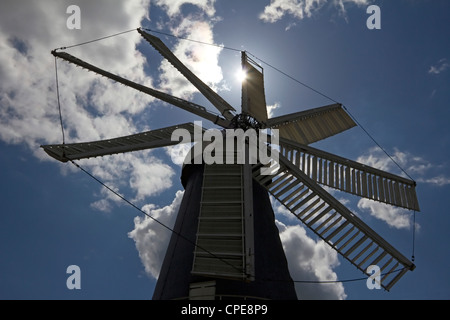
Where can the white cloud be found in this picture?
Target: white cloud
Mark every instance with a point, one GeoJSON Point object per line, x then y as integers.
{"type": "Point", "coordinates": [27, 75]}
{"type": "Point", "coordinates": [375, 158]}
{"type": "Point", "coordinates": [301, 9]}
{"type": "Point", "coordinates": [424, 170]}
{"type": "Point", "coordinates": [308, 259]}
{"type": "Point", "coordinates": [173, 7]}
{"type": "Point", "coordinates": [107, 200]}
{"type": "Point", "coordinates": [279, 209]}
{"type": "Point", "coordinates": [439, 181]}
{"type": "Point", "coordinates": [179, 152]}
{"type": "Point", "coordinates": [415, 165]}
{"type": "Point", "coordinates": [297, 8]}
{"type": "Point", "coordinates": [92, 107]}
{"type": "Point", "coordinates": [341, 4]}
{"type": "Point", "coordinates": [271, 109]}
{"type": "Point", "coordinates": [393, 216]}
{"type": "Point", "coordinates": [201, 59]}
{"type": "Point", "coordinates": [140, 172]}
{"type": "Point", "coordinates": [150, 176]}
{"type": "Point", "coordinates": [440, 67]}
{"type": "Point", "coordinates": [311, 260]}
{"type": "Point", "coordinates": [151, 238]}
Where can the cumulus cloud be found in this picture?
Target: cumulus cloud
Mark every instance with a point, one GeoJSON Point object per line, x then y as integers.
{"type": "Point", "coordinates": [27, 86]}
{"type": "Point", "coordinates": [151, 238]}
{"type": "Point", "coordinates": [179, 152]}
{"type": "Point", "coordinates": [135, 176]}
{"type": "Point", "coordinates": [173, 7]}
{"type": "Point", "coordinates": [93, 107]}
{"type": "Point", "coordinates": [201, 59]}
{"type": "Point", "coordinates": [311, 260]}
{"type": "Point", "coordinates": [308, 259]}
{"type": "Point", "coordinates": [393, 216]}
{"type": "Point", "coordinates": [300, 9]}
{"type": "Point", "coordinates": [150, 177]}
{"type": "Point", "coordinates": [297, 8]}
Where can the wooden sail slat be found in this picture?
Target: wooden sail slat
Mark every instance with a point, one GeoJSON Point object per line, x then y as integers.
{"type": "Point", "coordinates": [136, 142]}
{"type": "Point", "coordinates": [312, 125]}
{"type": "Point", "coordinates": [332, 221]}
{"type": "Point", "coordinates": [353, 177]}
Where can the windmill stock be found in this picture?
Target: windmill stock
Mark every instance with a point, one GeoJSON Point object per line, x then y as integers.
{"type": "Point", "coordinates": [230, 244]}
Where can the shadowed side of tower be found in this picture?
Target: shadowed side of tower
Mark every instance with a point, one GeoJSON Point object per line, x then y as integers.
{"type": "Point", "coordinates": [272, 278]}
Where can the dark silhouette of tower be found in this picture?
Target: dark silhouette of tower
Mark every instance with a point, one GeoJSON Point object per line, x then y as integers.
{"type": "Point", "coordinates": [272, 278]}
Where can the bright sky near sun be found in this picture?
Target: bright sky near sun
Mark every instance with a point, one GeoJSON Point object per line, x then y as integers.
{"type": "Point", "coordinates": [394, 79]}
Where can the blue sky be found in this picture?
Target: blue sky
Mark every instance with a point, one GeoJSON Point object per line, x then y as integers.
{"type": "Point", "coordinates": [394, 81]}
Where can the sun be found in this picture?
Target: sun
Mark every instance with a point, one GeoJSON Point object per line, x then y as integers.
{"type": "Point", "coordinates": [241, 75]}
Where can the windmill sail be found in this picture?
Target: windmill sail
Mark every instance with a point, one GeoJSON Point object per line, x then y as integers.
{"type": "Point", "coordinates": [333, 222]}
{"type": "Point", "coordinates": [350, 176]}
{"type": "Point", "coordinates": [224, 107]}
{"type": "Point", "coordinates": [253, 97]}
{"type": "Point", "coordinates": [178, 102]}
{"type": "Point", "coordinates": [312, 125]}
{"type": "Point", "coordinates": [141, 141]}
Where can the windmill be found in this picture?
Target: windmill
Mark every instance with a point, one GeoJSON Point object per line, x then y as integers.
{"type": "Point", "coordinates": [225, 242]}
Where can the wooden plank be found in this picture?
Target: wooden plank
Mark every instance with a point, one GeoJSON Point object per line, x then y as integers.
{"type": "Point", "coordinates": [313, 212]}
{"type": "Point", "coordinates": [375, 188]}
{"type": "Point", "coordinates": [347, 180]}
{"type": "Point", "coordinates": [362, 180]}
{"type": "Point", "coordinates": [364, 185]}
{"type": "Point", "coordinates": [355, 246]}
{"type": "Point", "coordinates": [295, 192]}
{"type": "Point", "coordinates": [341, 248]}
{"type": "Point", "coordinates": [355, 259]}
{"type": "Point", "coordinates": [381, 189]}
{"type": "Point", "coordinates": [358, 183]}
{"type": "Point", "coordinates": [320, 180]}
{"type": "Point", "coordinates": [331, 175]}
{"type": "Point", "coordinates": [337, 230]}
{"type": "Point", "coordinates": [354, 181]}
{"type": "Point", "coordinates": [391, 192]}
{"type": "Point", "coordinates": [309, 207]}
{"type": "Point", "coordinates": [398, 199]}
{"type": "Point", "coordinates": [319, 216]}
{"type": "Point", "coordinates": [314, 168]}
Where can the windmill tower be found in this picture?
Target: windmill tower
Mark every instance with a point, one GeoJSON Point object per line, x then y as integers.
{"type": "Point", "coordinates": [225, 242]}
